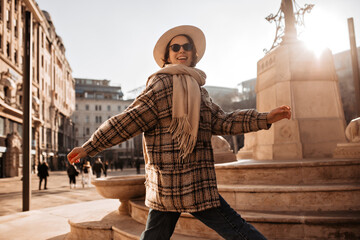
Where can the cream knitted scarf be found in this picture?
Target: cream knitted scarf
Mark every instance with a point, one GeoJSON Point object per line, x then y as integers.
{"type": "Point", "coordinates": [186, 104]}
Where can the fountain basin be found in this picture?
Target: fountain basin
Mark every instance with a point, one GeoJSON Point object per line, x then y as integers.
{"type": "Point", "coordinates": [123, 188]}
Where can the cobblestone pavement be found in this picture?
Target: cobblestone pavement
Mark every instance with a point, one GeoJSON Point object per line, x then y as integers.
{"type": "Point", "coordinates": [58, 192]}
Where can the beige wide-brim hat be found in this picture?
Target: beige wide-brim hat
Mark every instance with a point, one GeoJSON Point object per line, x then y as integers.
{"type": "Point", "coordinates": [195, 33]}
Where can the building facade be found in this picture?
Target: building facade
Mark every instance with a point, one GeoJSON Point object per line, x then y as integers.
{"type": "Point", "coordinates": [53, 89]}
{"type": "Point", "coordinates": [344, 72]}
{"type": "Point", "coordinates": [97, 101]}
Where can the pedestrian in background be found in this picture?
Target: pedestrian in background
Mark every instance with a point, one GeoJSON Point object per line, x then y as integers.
{"type": "Point", "coordinates": [137, 165]}
{"type": "Point", "coordinates": [106, 167]}
{"type": "Point", "coordinates": [43, 173]}
{"type": "Point", "coordinates": [72, 173]}
{"type": "Point", "coordinates": [86, 174]}
{"type": "Point", "coordinates": [98, 167]}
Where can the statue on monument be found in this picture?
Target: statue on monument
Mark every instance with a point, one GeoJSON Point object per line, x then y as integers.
{"type": "Point", "coordinates": [286, 21]}
{"type": "Point", "coordinates": [352, 131]}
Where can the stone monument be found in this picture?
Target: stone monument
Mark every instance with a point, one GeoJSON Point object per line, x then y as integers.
{"type": "Point", "coordinates": [292, 75]}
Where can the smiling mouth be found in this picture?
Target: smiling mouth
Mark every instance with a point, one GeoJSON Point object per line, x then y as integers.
{"type": "Point", "coordinates": [182, 58]}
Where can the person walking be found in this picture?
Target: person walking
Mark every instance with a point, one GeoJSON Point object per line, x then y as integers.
{"type": "Point", "coordinates": [72, 173]}
{"type": "Point", "coordinates": [178, 118]}
{"type": "Point", "coordinates": [106, 167]}
{"type": "Point", "coordinates": [43, 173]}
{"type": "Point", "coordinates": [98, 167]}
{"type": "Point", "coordinates": [86, 174]}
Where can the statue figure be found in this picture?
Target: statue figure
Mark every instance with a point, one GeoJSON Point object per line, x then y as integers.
{"type": "Point", "coordinates": [352, 131]}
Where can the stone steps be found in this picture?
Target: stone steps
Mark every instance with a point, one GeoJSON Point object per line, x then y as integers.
{"type": "Point", "coordinates": [113, 226]}
{"type": "Point", "coordinates": [305, 199]}
{"type": "Point", "coordinates": [312, 171]}
{"type": "Point", "coordinates": [274, 225]}
{"type": "Point", "coordinates": [331, 197]}
{"type": "Point", "coordinates": [187, 224]}
{"type": "Point", "coordinates": [134, 230]}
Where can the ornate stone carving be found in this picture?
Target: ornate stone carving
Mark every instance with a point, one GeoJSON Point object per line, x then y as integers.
{"type": "Point", "coordinates": [350, 149]}
{"type": "Point", "coordinates": [352, 131]}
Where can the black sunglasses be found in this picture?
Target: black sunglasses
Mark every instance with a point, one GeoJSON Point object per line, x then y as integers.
{"type": "Point", "coordinates": [177, 47]}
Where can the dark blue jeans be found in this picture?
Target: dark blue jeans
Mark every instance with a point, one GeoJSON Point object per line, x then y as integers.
{"type": "Point", "coordinates": [224, 220]}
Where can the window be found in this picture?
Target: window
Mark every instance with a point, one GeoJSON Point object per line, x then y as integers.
{"type": "Point", "coordinates": [87, 107]}
{"type": "Point", "coordinates": [8, 18]}
{"type": "Point", "coordinates": [76, 107]}
{"type": "Point", "coordinates": [48, 137]}
{"type": "Point", "coordinates": [87, 119]}
{"type": "Point", "coordinates": [19, 129]}
{"type": "Point", "coordinates": [16, 57]}
{"type": "Point", "coordinates": [119, 108]}
{"type": "Point", "coordinates": [15, 28]}
{"type": "Point", "coordinates": [6, 92]}
{"type": "Point", "coordinates": [8, 49]}
{"type": "Point", "coordinates": [100, 96]}
{"type": "Point", "coordinates": [11, 126]}
{"type": "Point", "coordinates": [2, 126]}
{"type": "Point", "coordinates": [109, 108]}
{"type": "Point", "coordinates": [48, 46]}
{"type": "Point", "coordinates": [98, 119]}
{"type": "Point", "coordinates": [87, 131]}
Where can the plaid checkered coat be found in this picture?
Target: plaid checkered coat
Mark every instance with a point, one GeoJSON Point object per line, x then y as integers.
{"type": "Point", "coordinates": [172, 185]}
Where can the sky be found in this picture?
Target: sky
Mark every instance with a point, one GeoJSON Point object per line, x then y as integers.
{"type": "Point", "coordinates": [114, 39]}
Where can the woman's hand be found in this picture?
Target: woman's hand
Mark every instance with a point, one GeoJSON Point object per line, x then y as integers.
{"type": "Point", "coordinates": [279, 113]}
{"type": "Point", "coordinates": [75, 155]}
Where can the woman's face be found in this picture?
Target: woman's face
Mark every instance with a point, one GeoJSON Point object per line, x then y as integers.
{"type": "Point", "coordinates": [181, 56]}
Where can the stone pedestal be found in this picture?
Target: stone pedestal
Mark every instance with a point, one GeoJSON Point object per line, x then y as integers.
{"type": "Point", "coordinates": [247, 151]}
{"type": "Point", "coordinates": [347, 150]}
{"type": "Point", "coordinates": [292, 75]}
{"type": "Point", "coordinates": [350, 149]}
{"type": "Point", "coordinates": [222, 150]}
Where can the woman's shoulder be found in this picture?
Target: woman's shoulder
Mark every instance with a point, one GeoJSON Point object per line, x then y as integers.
{"type": "Point", "coordinates": [160, 82]}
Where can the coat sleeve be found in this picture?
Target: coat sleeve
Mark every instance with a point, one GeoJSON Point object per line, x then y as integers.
{"type": "Point", "coordinates": [236, 122]}
{"type": "Point", "coordinates": [139, 117]}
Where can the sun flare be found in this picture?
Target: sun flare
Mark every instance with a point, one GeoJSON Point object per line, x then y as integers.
{"type": "Point", "coordinates": [323, 31]}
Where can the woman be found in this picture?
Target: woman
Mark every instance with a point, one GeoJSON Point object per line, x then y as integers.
{"type": "Point", "coordinates": [178, 118]}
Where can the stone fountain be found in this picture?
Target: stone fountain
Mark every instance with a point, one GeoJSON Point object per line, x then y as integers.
{"type": "Point", "coordinates": [123, 188]}
{"type": "Point", "coordinates": [297, 180]}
